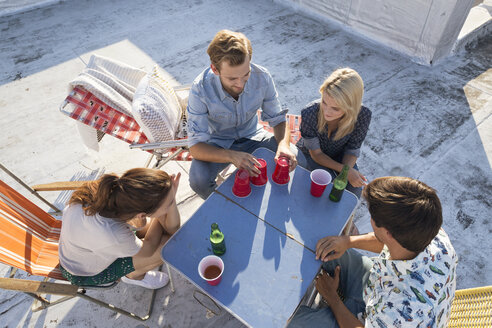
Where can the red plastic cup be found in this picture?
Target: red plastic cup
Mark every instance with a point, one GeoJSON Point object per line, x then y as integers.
{"type": "Point", "coordinates": [319, 180]}
{"type": "Point", "coordinates": [210, 269]}
{"type": "Point", "coordinates": [262, 178]}
{"type": "Point", "coordinates": [241, 187]}
{"type": "Point", "coordinates": [281, 174]}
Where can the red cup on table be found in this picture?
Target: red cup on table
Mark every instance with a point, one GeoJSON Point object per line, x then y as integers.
{"type": "Point", "coordinates": [262, 178]}
{"type": "Point", "coordinates": [319, 180]}
{"type": "Point", "coordinates": [210, 269]}
{"type": "Point", "coordinates": [281, 174]}
{"type": "Point", "coordinates": [241, 187]}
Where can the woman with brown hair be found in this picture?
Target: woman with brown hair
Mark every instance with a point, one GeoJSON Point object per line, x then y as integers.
{"type": "Point", "coordinates": [98, 241]}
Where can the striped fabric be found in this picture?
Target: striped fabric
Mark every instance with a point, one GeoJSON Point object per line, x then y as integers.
{"type": "Point", "coordinates": [83, 106]}
{"type": "Point", "coordinates": [88, 109]}
{"type": "Point", "coordinates": [28, 235]}
{"type": "Point", "coordinates": [111, 81]}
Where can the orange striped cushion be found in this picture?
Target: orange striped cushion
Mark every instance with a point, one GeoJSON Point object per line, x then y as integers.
{"type": "Point", "coordinates": [28, 236]}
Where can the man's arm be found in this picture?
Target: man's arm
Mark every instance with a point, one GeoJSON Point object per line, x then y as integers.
{"type": "Point", "coordinates": [332, 247]}
{"type": "Point", "coordinates": [344, 317]}
{"type": "Point", "coordinates": [276, 118]}
{"type": "Point", "coordinates": [210, 153]}
{"type": "Point", "coordinates": [282, 135]}
{"type": "Point", "coordinates": [327, 287]}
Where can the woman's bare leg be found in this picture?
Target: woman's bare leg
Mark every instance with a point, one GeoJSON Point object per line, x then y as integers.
{"type": "Point", "coordinates": [149, 255]}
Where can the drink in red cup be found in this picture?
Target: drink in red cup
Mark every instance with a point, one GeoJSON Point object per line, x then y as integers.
{"type": "Point", "coordinates": [211, 268]}
{"type": "Point", "coordinates": [241, 187]}
{"type": "Point", "coordinates": [262, 178]}
{"type": "Point", "coordinates": [281, 174]}
{"type": "Point", "coordinates": [319, 180]}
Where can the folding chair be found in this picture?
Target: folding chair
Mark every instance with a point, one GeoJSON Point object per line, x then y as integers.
{"type": "Point", "coordinates": [29, 241]}
{"type": "Point", "coordinates": [86, 108]}
{"type": "Point", "coordinates": [472, 308]}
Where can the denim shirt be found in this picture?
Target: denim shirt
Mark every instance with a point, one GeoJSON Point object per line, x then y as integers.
{"type": "Point", "coordinates": [216, 117]}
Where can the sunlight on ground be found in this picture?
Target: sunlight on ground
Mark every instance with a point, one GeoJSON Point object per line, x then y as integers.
{"type": "Point", "coordinates": [480, 99]}
{"type": "Point", "coordinates": [128, 53]}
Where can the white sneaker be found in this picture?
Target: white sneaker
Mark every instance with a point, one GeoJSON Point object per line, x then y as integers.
{"type": "Point", "coordinates": [152, 280]}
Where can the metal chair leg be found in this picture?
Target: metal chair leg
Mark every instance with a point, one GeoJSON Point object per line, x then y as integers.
{"type": "Point", "coordinates": [161, 162]}
{"type": "Point", "coordinates": [149, 159]}
{"type": "Point", "coordinates": [83, 295]}
{"type": "Point", "coordinates": [44, 303]}
{"type": "Point", "coordinates": [170, 278]}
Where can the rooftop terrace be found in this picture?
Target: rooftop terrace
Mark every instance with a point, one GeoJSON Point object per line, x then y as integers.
{"type": "Point", "coordinates": [430, 123]}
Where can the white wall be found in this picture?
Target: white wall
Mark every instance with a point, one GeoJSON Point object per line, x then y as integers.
{"type": "Point", "coordinates": [425, 30]}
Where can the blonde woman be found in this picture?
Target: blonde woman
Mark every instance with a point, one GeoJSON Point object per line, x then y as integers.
{"type": "Point", "coordinates": [98, 244]}
{"type": "Point", "coordinates": [334, 127]}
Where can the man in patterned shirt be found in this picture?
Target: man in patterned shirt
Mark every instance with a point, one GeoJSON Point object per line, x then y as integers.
{"type": "Point", "coordinates": [222, 122]}
{"type": "Point", "coordinates": [412, 281]}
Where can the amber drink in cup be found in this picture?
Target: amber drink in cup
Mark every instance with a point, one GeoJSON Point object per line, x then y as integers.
{"type": "Point", "coordinates": [211, 268]}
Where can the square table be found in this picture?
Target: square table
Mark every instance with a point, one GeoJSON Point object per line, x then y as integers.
{"type": "Point", "coordinates": [266, 273]}
{"type": "Point", "coordinates": [267, 267]}
{"type": "Point", "coordinates": [291, 208]}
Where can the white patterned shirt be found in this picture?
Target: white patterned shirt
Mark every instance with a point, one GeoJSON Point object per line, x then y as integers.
{"type": "Point", "coordinates": [412, 293]}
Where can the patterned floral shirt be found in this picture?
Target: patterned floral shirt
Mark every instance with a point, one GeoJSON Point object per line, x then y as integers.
{"type": "Point", "coordinates": [312, 139]}
{"type": "Point", "coordinates": [413, 293]}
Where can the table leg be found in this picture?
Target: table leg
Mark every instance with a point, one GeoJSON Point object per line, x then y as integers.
{"type": "Point", "coordinates": [350, 227]}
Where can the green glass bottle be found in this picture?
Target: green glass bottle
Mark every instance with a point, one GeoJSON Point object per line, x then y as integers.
{"type": "Point", "coordinates": [339, 185]}
{"type": "Point", "coordinates": [217, 240]}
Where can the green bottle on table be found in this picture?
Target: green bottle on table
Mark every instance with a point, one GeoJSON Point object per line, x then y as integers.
{"type": "Point", "coordinates": [217, 240]}
{"type": "Point", "coordinates": [339, 184]}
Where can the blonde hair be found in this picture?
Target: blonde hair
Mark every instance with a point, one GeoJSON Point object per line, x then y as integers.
{"type": "Point", "coordinates": [230, 46]}
{"type": "Point", "coordinates": [346, 88]}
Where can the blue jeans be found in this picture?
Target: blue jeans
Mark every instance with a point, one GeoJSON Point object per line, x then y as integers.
{"type": "Point", "coordinates": [354, 272]}
{"type": "Point", "coordinates": [312, 165]}
{"type": "Point", "coordinates": [203, 174]}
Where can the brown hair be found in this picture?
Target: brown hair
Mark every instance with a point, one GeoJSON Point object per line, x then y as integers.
{"type": "Point", "coordinates": [121, 198]}
{"type": "Point", "coordinates": [409, 209]}
{"type": "Point", "coordinates": [230, 46]}
{"type": "Point", "coordinates": [346, 88]}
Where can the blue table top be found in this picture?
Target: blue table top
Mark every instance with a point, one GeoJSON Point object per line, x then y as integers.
{"type": "Point", "coordinates": [266, 273]}
{"type": "Point", "coordinates": [291, 208]}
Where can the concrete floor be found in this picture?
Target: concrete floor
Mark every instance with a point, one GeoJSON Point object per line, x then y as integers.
{"type": "Point", "coordinates": [430, 123]}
